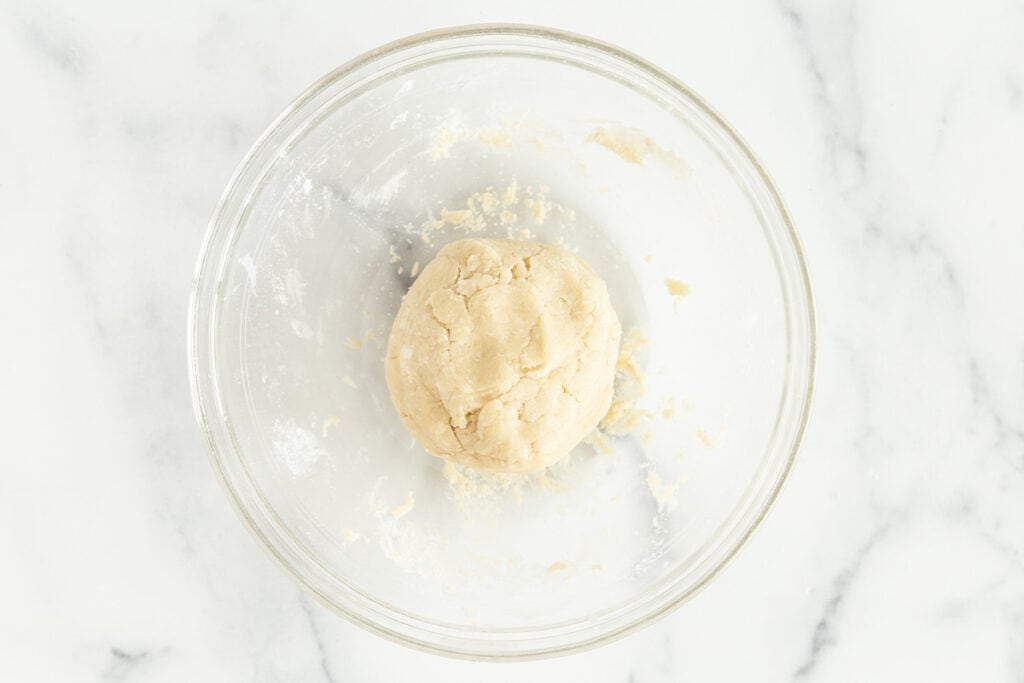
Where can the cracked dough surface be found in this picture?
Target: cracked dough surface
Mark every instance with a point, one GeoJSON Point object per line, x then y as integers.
{"type": "Point", "coordinates": [502, 355]}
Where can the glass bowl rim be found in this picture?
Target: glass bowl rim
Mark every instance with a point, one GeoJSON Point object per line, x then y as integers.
{"type": "Point", "coordinates": [207, 408]}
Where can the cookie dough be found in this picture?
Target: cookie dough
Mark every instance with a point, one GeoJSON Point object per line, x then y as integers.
{"type": "Point", "coordinates": [502, 355]}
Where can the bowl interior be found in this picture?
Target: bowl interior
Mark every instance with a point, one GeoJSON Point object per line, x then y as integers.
{"type": "Point", "coordinates": [498, 133]}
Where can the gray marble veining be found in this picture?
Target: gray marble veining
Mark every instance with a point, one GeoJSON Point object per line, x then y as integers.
{"type": "Point", "coordinates": [896, 551]}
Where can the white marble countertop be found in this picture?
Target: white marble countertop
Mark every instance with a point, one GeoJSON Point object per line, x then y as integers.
{"type": "Point", "coordinates": [894, 130]}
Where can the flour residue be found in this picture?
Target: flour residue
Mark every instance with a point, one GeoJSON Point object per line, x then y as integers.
{"type": "Point", "coordinates": [297, 448]}
{"type": "Point", "coordinates": [470, 487]}
{"type": "Point", "coordinates": [466, 483]}
{"type": "Point", "coordinates": [390, 187]}
{"type": "Point", "coordinates": [302, 330]}
{"type": "Point", "coordinates": [517, 210]}
{"type": "Point", "coordinates": [664, 494]}
{"type": "Point", "coordinates": [453, 132]}
{"type": "Point", "coordinates": [633, 147]}
{"type": "Point", "coordinates": [250, 269]}
{"type": "Point", "coordinates": [330, 421]}
{"type": "Point", "coordinates": [401, 540]}
{"type": "Point", "coordinates": [623, 416]}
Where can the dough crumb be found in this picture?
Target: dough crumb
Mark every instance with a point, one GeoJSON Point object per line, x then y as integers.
{"type": "Point", "coordinates": [456, 217]}
{"type": "Point", "coordinates": [559, 566]}
{"type": "Point", "coordinates": [404, 509]}
{"type": "Point", "coordinates": [705, 439]}
{"type": "Point", "coordinates": [458, 481]}
{"type": "Point", "coordinates": [538, 207]}
{"type": "Point", "coordinates": [623, 416]}
{"type": "Point", "coordinates": [350, 535]}
{"type": "Point", "coordinates": [508, 197]}
{"type": "Point", "coordinates": [415, 269]}
{"type": "Point", "coordinates": [353, 343]}
{"type": "Point", "coordinates": [676, 288]}
{"type": "Point", "coordinates": [488, 202]}
{"type": "Point", "coordinates": [491, 208]}
{"type": "Point", "coordinates": [627, 363]}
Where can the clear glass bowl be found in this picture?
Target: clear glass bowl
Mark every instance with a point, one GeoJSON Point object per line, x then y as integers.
{"type": "Point", "coordinates": [313, 245]}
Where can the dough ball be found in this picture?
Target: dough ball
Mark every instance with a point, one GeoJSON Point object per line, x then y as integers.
{"type": "Point", "coordinates": [502, 355]}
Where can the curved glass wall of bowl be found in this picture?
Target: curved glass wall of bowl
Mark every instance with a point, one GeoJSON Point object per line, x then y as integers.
{"type": "Point", "coordinates": [498, 132]}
